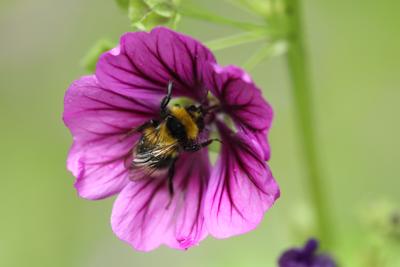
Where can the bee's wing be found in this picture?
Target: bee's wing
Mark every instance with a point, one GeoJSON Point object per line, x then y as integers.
{"type": "Point", "coordinates": [145, 165]}
{"type": "Point", "coordinates": [139, 173]}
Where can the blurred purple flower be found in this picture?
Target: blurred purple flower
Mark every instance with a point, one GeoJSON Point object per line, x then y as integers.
{"type": "Point", "coordinates": [130, 80]}
{"type": "Point", "coordinates": [306, 257]}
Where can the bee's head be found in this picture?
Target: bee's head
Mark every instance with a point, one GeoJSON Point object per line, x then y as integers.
{"type": "Point", "coordinates": [197, 113]}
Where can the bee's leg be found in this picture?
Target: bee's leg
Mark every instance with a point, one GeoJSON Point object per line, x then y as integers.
{"type": "Point", "coordinates": [195, 147]}
{"type": "Point", "coordinates": [171, 173]}
{"type": "Point", "coordinates": [166, 99]}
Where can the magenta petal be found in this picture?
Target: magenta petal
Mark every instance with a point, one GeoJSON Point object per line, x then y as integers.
{"type": "Point", "coordinates": [144, 217]}
{"type": "Point", "coordinates": [261, 137]}
{"type": "Point", "coordinates": [241, 187]}
{"type": "Point", "coordinates": [193, 172]}
{"type": "Point", "coordinates": [101, 122]}
{"type": "Point", "coordinates": [144, 63]}
{"type": "Point", "coordinates": [243, 101]}
{"type": "Point", "coordinates": [240, 98]}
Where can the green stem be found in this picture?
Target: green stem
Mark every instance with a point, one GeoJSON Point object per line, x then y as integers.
{"type": "Point", "coordinates": [205, 15]}
{"type": "Point", "coordinates": [267, 51]}
{"type": "Point", "coordinates": [302, 92]}
{"type": "Point", "coordinates": [234, 40]}
{"type": "Point", "coordinates": [252, 7]}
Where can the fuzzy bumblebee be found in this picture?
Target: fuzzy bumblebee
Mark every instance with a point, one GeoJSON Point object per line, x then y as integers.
{"type": "Point", "coordinates": [163, 140]}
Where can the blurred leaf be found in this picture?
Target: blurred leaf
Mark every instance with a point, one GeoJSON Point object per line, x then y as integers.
{"type": "Point", "coordinates": [124, 4]}
{"type": "Point", "coordinates": [146, 14]}
{"type": "Point", "coordinates": [382, 219]}
{"type": "Point", "coordinates": [90, 59]}
{"type": "Point", "coordinates": [164, 9]}
{"type": "Point", "coordinates": [381, 240]}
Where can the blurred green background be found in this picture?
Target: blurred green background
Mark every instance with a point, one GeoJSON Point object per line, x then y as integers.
{"type": "Point", "coordinates": [355, 60]}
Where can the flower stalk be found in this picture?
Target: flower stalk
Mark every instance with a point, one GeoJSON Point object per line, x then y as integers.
{"type": "Point", "coordinates": [235, 40]}
{"type": "Point", "coordinates": [269, 50]}
{"type": "Point", "coordinates": [302, 96]}
{"type": "Point", "coordinates": [195, 12]}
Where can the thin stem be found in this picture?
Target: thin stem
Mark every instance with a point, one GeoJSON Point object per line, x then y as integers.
{"type": "Point", "coordinates": [302, 92]}
{"type": "Point", "coordinates": [205, 15]}
{"type": "Point", "coordinates": [250, 6]}
{"type": "Point", "coordinates": [235, 40]}
{"type": "Point", "coordinates": [269, 50]}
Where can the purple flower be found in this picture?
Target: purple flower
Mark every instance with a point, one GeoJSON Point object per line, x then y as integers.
{"type": "Point", "coordinates": [130, 81]}
{"type": "Point", "coordinates": [306, 257]}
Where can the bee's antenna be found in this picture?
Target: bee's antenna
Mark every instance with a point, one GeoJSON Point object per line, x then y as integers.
{"type": "Point", "coordinates": [167, 98]}
{"type": "Point", "coordinates": [170, 86]}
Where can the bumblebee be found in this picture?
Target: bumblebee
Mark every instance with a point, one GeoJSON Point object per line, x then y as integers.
{"type": "Point", "coordinates": [162, 140]}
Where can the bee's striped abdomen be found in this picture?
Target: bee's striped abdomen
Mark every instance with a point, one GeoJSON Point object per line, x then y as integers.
{"type": "Point", "coordinates": [155, 149]}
